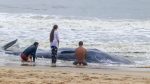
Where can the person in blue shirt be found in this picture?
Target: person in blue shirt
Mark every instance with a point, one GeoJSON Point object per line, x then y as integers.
{"type": "Point", "coordinates": [29, 53]}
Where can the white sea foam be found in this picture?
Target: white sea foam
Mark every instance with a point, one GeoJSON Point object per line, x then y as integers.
{"type": "Point", "coordinates": [127, 37]}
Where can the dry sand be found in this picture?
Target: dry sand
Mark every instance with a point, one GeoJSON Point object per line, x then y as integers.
{"type": "Point", "coordinates": [66, 75]}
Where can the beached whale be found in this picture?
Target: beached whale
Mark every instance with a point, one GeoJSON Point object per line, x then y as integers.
{"type": "Point", "coordinates": [67, 54]}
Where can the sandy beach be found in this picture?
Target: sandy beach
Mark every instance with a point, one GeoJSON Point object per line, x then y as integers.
{"type": "Point", "coordinates": [67, 75]}
{"type": "Point", "coordinates": [116, 34]}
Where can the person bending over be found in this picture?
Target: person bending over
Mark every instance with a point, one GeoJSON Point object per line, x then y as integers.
{"type": "Point", "coordinates": [29, 53]}
{"type": "Point", "coordinates": [80, 54]}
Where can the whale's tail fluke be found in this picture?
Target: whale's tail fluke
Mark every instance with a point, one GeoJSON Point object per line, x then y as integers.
{"type": "Point", "coordinates": [6, 46]}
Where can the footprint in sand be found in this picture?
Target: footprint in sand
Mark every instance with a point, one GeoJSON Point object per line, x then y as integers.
{"type": "Point", "coordinates": [64, 73]}
{"type": "Point", "coordinates": [87, 79]}
{"type": "Point", "coordinates": [94, 73]}
{"type": "Point", "coordinates": [76, 76]}
{"type": "Point", "coordinates": [94, 77]}
{"type": "Point", "coordinates": [61, 83]}
{"type": "Point", "coordinates": [10, 71]}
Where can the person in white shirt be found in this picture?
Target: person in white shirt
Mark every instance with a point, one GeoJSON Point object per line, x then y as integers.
{"type": "Point", "coordinates": [54, 43]}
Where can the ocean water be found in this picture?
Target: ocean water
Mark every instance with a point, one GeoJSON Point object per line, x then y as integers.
{"type": "Point", "coordinates": [116, 9]}
{"type": "Point", "coordinates": [119, 27]}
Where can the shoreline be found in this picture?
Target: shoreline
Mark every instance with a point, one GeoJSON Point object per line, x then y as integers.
{"type": "Point", "coordinates": [68, 75]}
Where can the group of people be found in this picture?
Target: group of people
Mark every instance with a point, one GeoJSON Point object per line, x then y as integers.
{"type": "Point", "coordinates": [29, 54]}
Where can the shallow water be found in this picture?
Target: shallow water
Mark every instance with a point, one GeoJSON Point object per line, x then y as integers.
{"type": "Point", "coordinates": [129, 38]}
{"type": "Point", "coordinates": [119, 27]}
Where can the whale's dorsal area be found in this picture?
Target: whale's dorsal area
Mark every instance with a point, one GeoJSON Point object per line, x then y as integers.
{"type": "Point", "coordinates": [68, 54]}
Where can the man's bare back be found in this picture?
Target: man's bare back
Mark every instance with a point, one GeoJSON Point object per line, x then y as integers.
{"type": "Point", "coordinates": [80, 54]}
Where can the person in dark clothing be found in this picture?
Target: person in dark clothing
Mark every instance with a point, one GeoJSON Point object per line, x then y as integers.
{"type": "Point", "coordinates": [29, 53]}
{"type": "Point", "coordinates": [54, 43]}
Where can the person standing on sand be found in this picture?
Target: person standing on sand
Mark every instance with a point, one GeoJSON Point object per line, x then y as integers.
{"type": "Point", "coordinates": [80, 54]}
{"type": "Point", "coordinates": [54, 43]}
{"type": "Point", "coordinates": [29, 53]}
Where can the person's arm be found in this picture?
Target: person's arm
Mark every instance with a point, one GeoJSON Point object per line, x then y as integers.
{"type": "Point", "coordinates": [85, 54]}
{"type": "Point", "coordinates": [57, 37]}
{"type": "Point", "coordinates": [34, 53]}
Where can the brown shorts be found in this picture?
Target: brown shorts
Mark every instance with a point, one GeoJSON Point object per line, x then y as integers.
{"type": "Point", "coordinates": [24, 57]}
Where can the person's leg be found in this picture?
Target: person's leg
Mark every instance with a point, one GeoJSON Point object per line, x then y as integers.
{"type": "Point", "coordinates": [24, 58]}
{"type": "Point", "coordinates": [84, 63]}
{"type": "Point", "coordinates": [54, 54]}
{"type": "Point", "coordinates": [29, 58]}
{"type": "Point", "coordinates": [33, 57]}
{"type": "Point", "coordinates": [75, 62]}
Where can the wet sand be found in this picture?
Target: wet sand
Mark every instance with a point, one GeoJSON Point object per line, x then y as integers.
{"type": "Point", "coordinates": [67, 75]}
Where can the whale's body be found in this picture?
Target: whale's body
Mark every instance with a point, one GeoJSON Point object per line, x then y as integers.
{"type": "Point", "coordinates": [68, 54]}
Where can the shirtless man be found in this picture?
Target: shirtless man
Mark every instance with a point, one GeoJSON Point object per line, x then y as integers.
{"type": "Point", "coordinates": [80, 54]}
